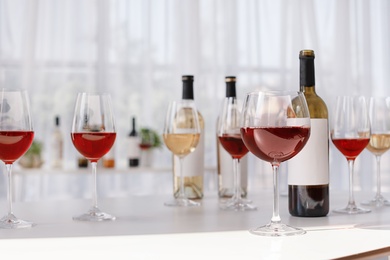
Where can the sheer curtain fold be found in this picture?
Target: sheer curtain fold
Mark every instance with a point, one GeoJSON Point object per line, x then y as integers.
{"type": "Point", "coordinates": [137, 50]}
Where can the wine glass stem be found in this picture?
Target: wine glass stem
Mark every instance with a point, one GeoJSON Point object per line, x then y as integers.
{"type": "Point", "coordinates": [94, 184]}
{"type": "Point", "coordinates": [275, 215]}
{"type": "Point", "coordinates": [378, 175]}
{"type": "Point", "coordinates": [351, 170]}
{"type": "Point", "coordinates": [9, 184]}
{"type": "Point", "coordinates": [237, 179]}
{"type": "Point", "coordinates": [181, 191]}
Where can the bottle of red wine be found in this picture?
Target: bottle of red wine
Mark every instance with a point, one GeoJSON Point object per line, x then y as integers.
{"type": "Point", "coordinates": [308, 172]}
{"type": "Point", "coordinates": [224, 159]}
{"type": "Point", "coordinates": [133, 153]}
{"type": "Point", "coordinates": [193, 165]}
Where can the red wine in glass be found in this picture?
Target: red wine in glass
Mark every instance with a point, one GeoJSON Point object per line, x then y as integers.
{"type": "Point", "coordinates": [234, 145]}
{"type": "Point", "coordinates": [93, 145]}
{"type": "Point", "coordinates": [350, 133]}
{"type": "Point", "coordinates": [275, 127]}
{"type": "Point", "coordinates": [275, 143]}
{"type": "Point", "coordinates": [16, 137]}
{"type": "Point", "coordinates": [93, 134]}
{"type": "Point", "coordinates": [351, 148]}
{"type": "Point", "coordinates": [228, 132]}
{"type": "Point", "coordinates": [13, 144]}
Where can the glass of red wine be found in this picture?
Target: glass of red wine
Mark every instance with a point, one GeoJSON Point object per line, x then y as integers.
{"type": "Point", "coordinates": [229, 135]}
{"type": "Point", "coordinates": [93, 134]}
{"type": "Point", "coordinates": [16, 136]}
{"type": "Point", "coordinates": [275, 127]}
{"type": "Point", "coordinates": [181, 136]}
{"type": "Point", "coordinates": [350, 133]}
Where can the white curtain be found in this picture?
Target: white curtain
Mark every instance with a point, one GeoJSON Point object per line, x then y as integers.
{"type": "Point", "coordinates": [137, 50]}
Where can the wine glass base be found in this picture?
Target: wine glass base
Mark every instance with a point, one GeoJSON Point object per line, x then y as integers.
{"type": "Point", "coordinates": [94, 214]}
{"type": "Point", "coordinates": [377, 201]}
{"type": "Point", "coordinates": [351, 210]}
{"type": "Point", "coordinates": [11, 222]}
{"type": "Point", "coordinates": [277, 230]}
{"type": "Point", "coordinates": [237, 205]}
{"type": "Point", "coordinates": [182, 202]}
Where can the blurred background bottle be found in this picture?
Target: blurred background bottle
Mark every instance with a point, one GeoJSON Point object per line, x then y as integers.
{"type": "Point", "coordinates": [57, 144]}
{"type": "Point", "coordinates": [225, 161]}
{"type": "Point", "coordinates": [109, 158]}
{"type": "Point", "coordinates": [133, 149]}
{"type": "Point", "coordinates": [193, 164]}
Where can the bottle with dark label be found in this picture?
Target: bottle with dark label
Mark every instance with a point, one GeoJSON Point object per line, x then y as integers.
{"type": "Point", "coordinates": [225, 161]}
{"type": "Point", "coordinates": [193, 165]}
{"type": "Point", "coordinates": [308, 172]}
{"type": "Point", "coordinates": [133, 150]}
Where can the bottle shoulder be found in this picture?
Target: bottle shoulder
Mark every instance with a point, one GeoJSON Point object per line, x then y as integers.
{"type": "Point", "coordinates": [317, 106]}
{"type": "Point", "coordinates": [201, 120]}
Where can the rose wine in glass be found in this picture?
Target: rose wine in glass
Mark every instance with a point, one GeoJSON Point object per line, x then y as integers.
{"type": "Point", "coordinates": [275, 127]}
{"type": "Point", "coordinates": [350, 133]}
{"type": "Point", "coordinates": [93, 134]}
{"type": "Point", "coordinates": [230, 138]}
{"type": "Point", "coordinates": [16, 136]}
{"type": "Point", "coordinates": [379, 112]}
{"type": "Point", "coordinates": [181, 136]}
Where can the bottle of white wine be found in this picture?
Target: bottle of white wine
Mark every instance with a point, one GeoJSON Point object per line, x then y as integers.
{"type": "Point", "coordinates": [193, 164]}
{"type": "Point", "coordinates": [308, 172]}
{"type": "Point", "coordinates": [225, 160]}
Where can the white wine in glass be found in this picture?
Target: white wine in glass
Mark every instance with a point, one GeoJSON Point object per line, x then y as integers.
{"type": "Point", "coordinates": [181, 136]}
{"type": "Point", "coordinates": [379, 111]}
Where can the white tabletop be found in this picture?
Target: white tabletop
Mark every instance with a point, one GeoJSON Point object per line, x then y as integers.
{"type": "Point", "coordinates": [145, 229]}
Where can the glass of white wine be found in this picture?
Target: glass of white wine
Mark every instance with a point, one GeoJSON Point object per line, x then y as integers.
{"type": "Point", "coordinates": [181, 135]}
{"type": "Point", "coordinates": [379, 110]}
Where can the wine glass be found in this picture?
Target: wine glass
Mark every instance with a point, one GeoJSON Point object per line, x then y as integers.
{"type": "Point", "coordinates": [229, 135]}
{"type": "Point", "coordinates": [93, 134]}
{"type": "Point", "coordinates": [16, 136]}
{"type": "Point", "coordinates": [350, 133]}
{"type": "Point", "coordinates": [379, 111]}
{"type": "Point", "coordinates": [181, 135]}
{"type": "Point", "coordinates": [275, 127]}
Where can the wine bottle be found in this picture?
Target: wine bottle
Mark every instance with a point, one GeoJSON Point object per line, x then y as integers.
{"type": "Point", "coordinates": [193, 164]}
{"type": "Point", "coordinates": [225, 160]}
{"type": "Point", "coordinates": [57, 145]}
{"type": "Point", "coordinates": [308, 172]}
{"type": "Point", "coordinates": [133, 150]}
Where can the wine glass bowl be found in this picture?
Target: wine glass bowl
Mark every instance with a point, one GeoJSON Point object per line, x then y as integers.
{"type": "Point", "coordinates": [93, 134]}
{"type": "Point", "coordinates": [379, 112]}
{"type": "Point", "coordinates": [181, 136]}
{"type": "Point", "coordinates": [16, 136]}
{"type": "Point", "coordinates": [229, 135]}
{"type": "Point", "coordinates": [350, 133]}
{"type": "Point", "coordinates": [275, 127]}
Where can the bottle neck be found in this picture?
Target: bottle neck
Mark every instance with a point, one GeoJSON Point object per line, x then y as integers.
{"type": "Point", "coordinates": [307, 74]}
{"type": "Point", "coordinates": [231, 89]}
{"type": "Point", "coordinates": [57, 122]}
{"type": "Point", "coordinates": [133, 131]}
{"type": "Point", "coordinates": [188, 90]}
